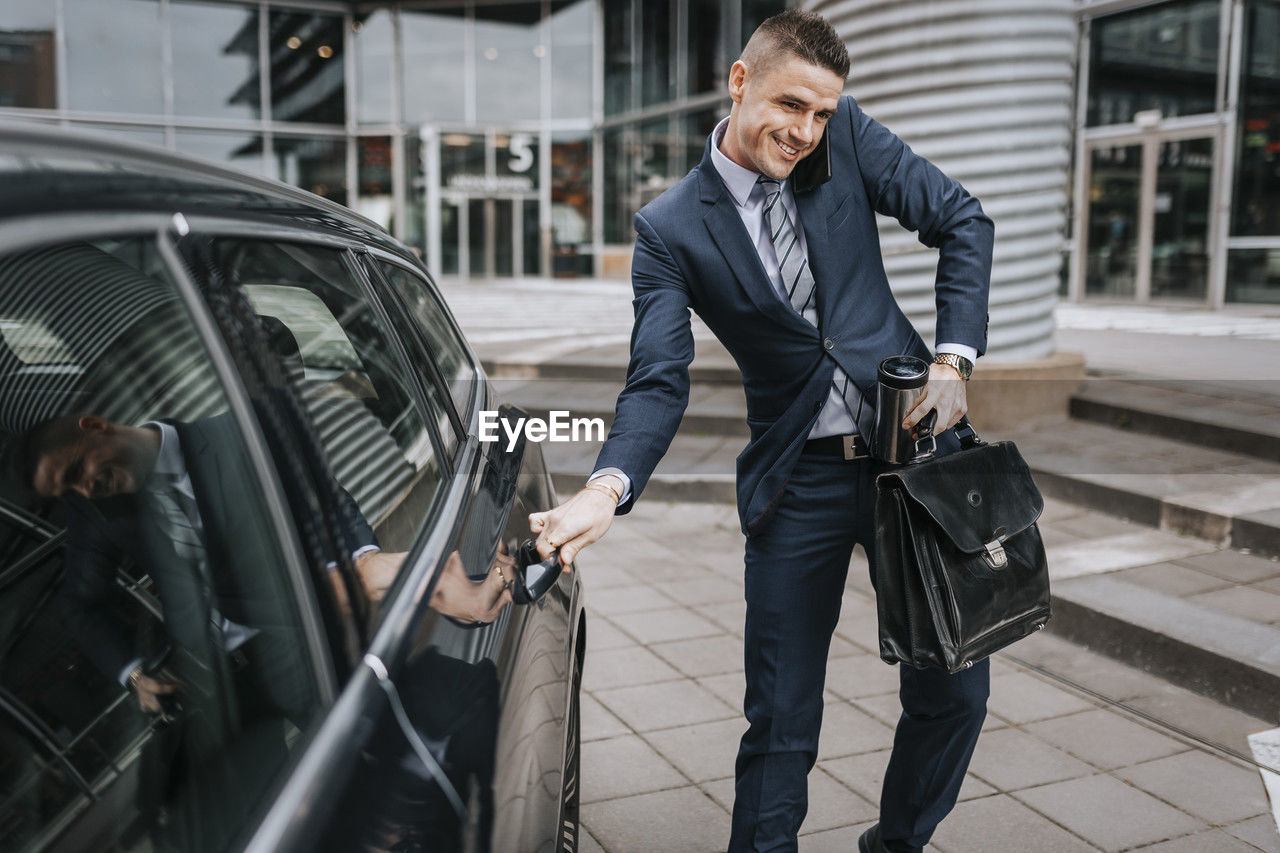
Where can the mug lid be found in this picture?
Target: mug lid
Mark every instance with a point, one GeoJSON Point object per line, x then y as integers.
{"type": "Point", "coordinates": [903, 372]}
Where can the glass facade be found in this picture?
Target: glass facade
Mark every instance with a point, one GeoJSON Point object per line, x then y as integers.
{"type": "Point", "coordinates": [1162, 57]}
{"type": "Point", "coordinates": [1160, 135]}
{"type": "Point", "coordinates": [666, 65]}
{"type": "Point", "coordinates": [500, 138]}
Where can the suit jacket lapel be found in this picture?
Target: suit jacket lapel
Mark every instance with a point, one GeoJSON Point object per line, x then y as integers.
{"type": "Point", "coordinates": [730, 236]}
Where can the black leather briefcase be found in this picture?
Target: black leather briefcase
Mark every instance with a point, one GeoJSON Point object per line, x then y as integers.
{"type": "Point", "coordinates": [961, 569]}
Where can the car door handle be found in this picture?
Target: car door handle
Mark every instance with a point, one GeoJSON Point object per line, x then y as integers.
{"type": "Point", "coordinates": [534, 575]}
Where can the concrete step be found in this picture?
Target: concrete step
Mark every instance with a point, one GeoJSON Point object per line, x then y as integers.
{"type": "Point", "coordinates": [1233, 660]}
{"type": "Point", "coordinates": [1198, 413]}
{"type": "Point", "coordinates": [1228, 498]}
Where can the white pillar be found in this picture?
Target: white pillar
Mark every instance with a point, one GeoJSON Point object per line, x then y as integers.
{"type": "Point", "coordinates": [983, 88]}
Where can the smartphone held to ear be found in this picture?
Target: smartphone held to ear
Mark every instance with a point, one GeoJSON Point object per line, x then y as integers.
{"type": "Point", "coordinates": [814, 169]}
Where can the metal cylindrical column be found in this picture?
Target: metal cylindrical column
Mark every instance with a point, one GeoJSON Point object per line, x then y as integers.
{"type": "Point", "coordinates": [982, 88]}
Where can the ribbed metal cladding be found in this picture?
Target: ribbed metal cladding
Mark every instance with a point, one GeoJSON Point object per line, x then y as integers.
{"type": "Point", "coordinates": [983, 88]}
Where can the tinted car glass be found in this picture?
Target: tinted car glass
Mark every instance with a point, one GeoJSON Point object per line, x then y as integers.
{"type": "Point", "coordinates": [357, 391]}
{"type": "Point", "coordinates": [445, 349]}
{"type": "Point", "coordinates": [134, 541]}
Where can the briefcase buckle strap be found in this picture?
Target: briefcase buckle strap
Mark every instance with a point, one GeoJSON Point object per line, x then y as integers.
{"type": "Point", "coordinates": [995, 554]}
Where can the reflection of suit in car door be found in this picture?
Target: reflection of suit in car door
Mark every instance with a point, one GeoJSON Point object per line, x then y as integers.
{"type": "Point", "coordinates": [212, 557]}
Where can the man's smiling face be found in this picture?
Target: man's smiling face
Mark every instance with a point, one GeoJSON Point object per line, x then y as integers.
{"type": "Point", "coordinates": [779, 113]}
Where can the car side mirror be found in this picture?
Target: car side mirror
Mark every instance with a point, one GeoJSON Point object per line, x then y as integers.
{"type": "Point", "coordinates": [534, 575]}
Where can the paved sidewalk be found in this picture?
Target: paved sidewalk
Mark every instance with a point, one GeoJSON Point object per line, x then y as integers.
{"type": "Point", "coordinates": [1056, 770]}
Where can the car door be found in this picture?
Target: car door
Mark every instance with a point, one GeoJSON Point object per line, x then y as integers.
{"type": "Point", "coordinates": [471, 717]}
{"type": "Point", "coordinates": [136, 537]}
{"type": "Point", "coordinates": [536, 657]}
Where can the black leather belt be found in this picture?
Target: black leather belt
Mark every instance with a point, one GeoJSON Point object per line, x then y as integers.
{"type": "Point", "coordinates": [844, 446]}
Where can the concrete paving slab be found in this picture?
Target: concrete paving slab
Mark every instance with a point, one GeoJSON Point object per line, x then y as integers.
{"type": "Point", "coordinates": [702, 752]}
{"type": "Point", "coordinates": [1112, 679]}
{"type": "Point", "coordinates": [604, 634]}
{"type": "Point", "coordinates": [696, 592]}
{"type": "Point", "coordinates": [1001, 823]}
{"type": "Point", "coordinates": [597, 722]}
{"type": "Point", "coordinates": [1105, 738]}
{"type": "Point", "coordinates": [1215, 840]}
{"type": "Point", "coordinates": [832, 805]}
{"type": "Point", "coordinates": [625, 766]}
{"type": "Point", "coordinates": [703, 655]}
{"type": "Point", "coordinates": [860, 675]}
{"type": "Point", "coordinates": [1260, 831]}
{"type": "Point", "coordinates": [847, 730]}
{"type": "Point", "coordinates": [628, 599]}
{"type": "Point", "coordinates": [1109, 813]}
{"type": "Point", "coordinates": [864, 774]}
{"type": "Point", "coordinates": [729, 687]}
{"type": "Point", "coordinates": [1256, 605]}
{"type": "Point", "coordinates": [656, 626]}
{"type": "Point", "coordinates": [624, 667]}
{"type": "Point", "coordinates": [1234, 566]}
{"type": "Point", "coordinates": [1201, 717]}
{"type": "Point", "coordinates": [663, 705]}
{"type": "Point", "coordinates": [1173, 579]}
{"type": "Point", "coordinates": [645, 824]}
{"type": "Point", "coordinates": [1217, 791]}
{"type": "Point", "coordinates": [1009, 760]}
{"type": "Point", "coordinates": [587, 842]}
{"type": "Point", "coordinates": [1121, 551]}
{"type": "Point", "coordinates": [1023, 698]}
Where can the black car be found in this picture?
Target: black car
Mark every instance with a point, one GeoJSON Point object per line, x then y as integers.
{"type": "Point", "coordinates": [222, 400]}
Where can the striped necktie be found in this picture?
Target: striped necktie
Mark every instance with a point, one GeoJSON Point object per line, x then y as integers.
{"type": "Point", "coordinates": [801, 289]}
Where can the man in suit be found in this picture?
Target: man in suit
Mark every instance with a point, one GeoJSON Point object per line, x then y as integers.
{"type": "Point", "coordinates": [780, 257]}
{"type": "Point", "coordinates": [176, 499]}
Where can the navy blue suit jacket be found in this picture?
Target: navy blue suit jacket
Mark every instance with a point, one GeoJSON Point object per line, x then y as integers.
{"type": "Point", "coordinates": [693, 252]}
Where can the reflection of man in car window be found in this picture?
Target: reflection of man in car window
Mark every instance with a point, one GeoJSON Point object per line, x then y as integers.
{"type": "Point", "coordinates": [169, 496]}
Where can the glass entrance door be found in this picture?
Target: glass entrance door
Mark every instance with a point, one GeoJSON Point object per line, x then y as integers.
{"type": "Point", "coordinates": [1115, 185]}
{"type": "Point", "coordinates": [1180, 235]}
{"type": "Point", "coordinates": [485, 237]}
{"type": "Point", "coordinates": [1148, 218]}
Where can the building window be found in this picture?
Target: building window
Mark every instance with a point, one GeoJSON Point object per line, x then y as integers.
{"type": "Point", "coordinates": [618, 57]}
{"type": "Point", "coordinates": [572, 27]}
{"type": "Point", "coordinates": [708, 66]}
{"type": "Point", "coordinates": [241, 151]}
{"type": "Point", "coordinates": [1257, 186]}
{"type": "Point", "coordinates": [509, 56]}
{"type": "Point", "coordinates": [216, 72]}
{"type": "Point", "coordinates": [1162, 57]}
{"type": "Point", "coordinates": [113, 56]}
{"type": "Point", "coordinates": [27, 70]}
{"type": "Point", "coordinates": [307, 77]}
{"type": "Point", "coordinates": [1253, 275]}
{"type": "Point", "coordinates": [375, 69]}
{"type": "Point", "coordinates": [434, 47]}
{"type": "Point", "coordinates": [571, 204]}
{"type": "Point", "coordinates": [318, 164]}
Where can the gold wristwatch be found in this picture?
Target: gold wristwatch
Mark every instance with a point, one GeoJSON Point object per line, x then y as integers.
{"type": "Point", "coordinates": [963, 365]}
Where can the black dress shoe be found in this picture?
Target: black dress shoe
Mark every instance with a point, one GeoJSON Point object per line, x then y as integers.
{"type": "Point", "coordinates": [869, 842]}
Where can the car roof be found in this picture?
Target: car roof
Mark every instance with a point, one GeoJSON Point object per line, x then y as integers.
{"type": "Point", "coordinates": [47, 169]}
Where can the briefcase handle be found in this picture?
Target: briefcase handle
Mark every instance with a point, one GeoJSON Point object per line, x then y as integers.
{"type": "Point", "coordinates": [924, 432]}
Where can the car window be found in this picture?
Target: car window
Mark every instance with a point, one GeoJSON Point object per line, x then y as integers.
{"type": "Point", "coordinates": [435, 331]}
{"type": "Point", "coordinates": [361, 399]}
{"type": "Point", "coordinates": [155, 676]}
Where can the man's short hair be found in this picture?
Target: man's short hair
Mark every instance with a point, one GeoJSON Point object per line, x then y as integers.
{"type": "Point", "coordinates": [806, 35]}
{"type": "Point", "coordinates": [36, 443]}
